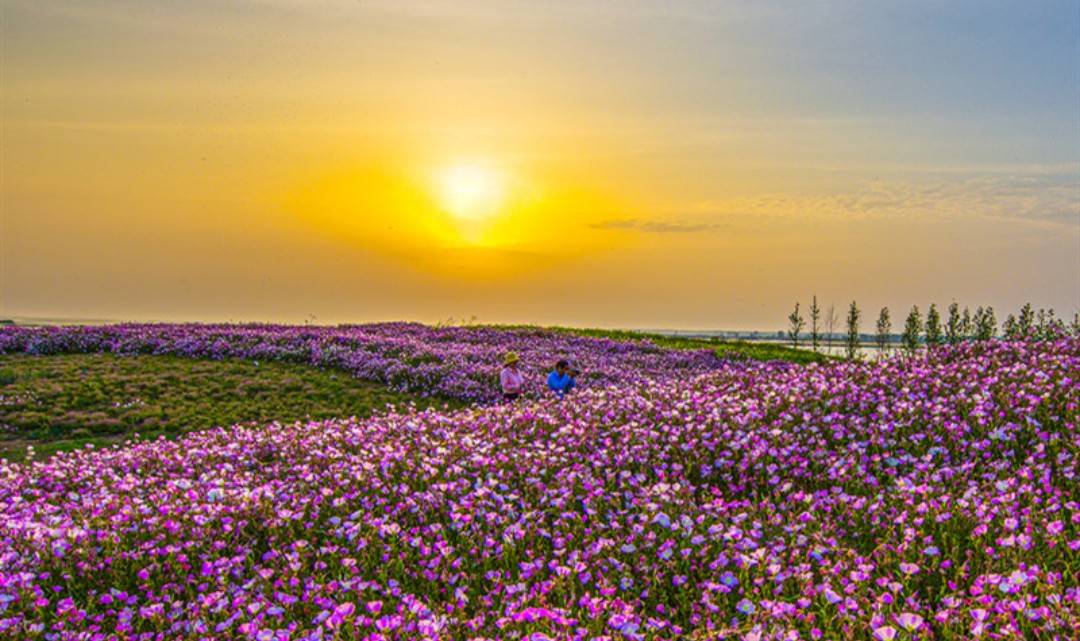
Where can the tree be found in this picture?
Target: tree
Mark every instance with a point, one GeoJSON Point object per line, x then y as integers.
{"type": "Point", "coordinates": [986, 324]}
{"type": "Point", "coordinates": [1074, 326]}
{"type": "Point", "coordinates": [1059, 327]}
{"type": "Point", "coordinates": [977, 322]}
{"type": "Point", "coordinates": [1010, 328]}
{"type": "Point", "coordinates": [1026, 321]}
{"type": "Point", "coordinates": [830, 325]}
{"type": "Point", "coordinates": [1050, 327]}
{"type": "Point", "coordinates": [953, 332]}
{"type": "Point", "coordinates": [933, 326]}
{"type": "Point", "coordinates": [884, 326]}
{"type": "Point", "coordinates": [796, 323]}
{"type": "Point", "coordinates": [852, 342]}
{"type": "Point", "coordinates": [912, 330]}
{"type": "Point", "coordinates": [967, 329]}
{"type": "Point", "coordinates": [815, 318]}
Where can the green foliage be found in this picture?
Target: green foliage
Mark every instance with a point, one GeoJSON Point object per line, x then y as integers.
{"type": "Point", "coordinates": [1010, 328]}
{"type": "Point", "coordinates": [967, 327]}
{"type": "Point", "coordinates": [953, 330]}
{"type": "Point", "coordinates": [884, 326]}
{"type": "Point", "coordinates": [1049, 327]}
{"type": "Point", "coordinates": [852, 342]}
{"type": "Point", "coordinates": [912, 330]}
{"type": "Point", "coordinates": [796, 323]}
{"type": "Point", "coordinates": [815, 324]}
{"type": "Point", "coordinates": [934, 336]}
{"type": "Point", "coordinates": [61, 402]}
{"type": "Point", "coordinates": [1026, 321]}
{"type": "Point", "coordinates": [985, 324]}
{"type": "Point", "coordinates": [1043, 326]}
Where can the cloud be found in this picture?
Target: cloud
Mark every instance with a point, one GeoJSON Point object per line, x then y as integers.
{"type": "Point", "coordinates": [1037, 198]}
{"type": "Point", "coordinates": [1048, 198]}
{"type": "Point", "coordinates": [655, 226]}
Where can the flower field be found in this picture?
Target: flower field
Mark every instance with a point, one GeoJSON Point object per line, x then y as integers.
{"type": "Point", "coordinates": [454, 362]}
{"type": "Point", "coordinates": [932, 498]}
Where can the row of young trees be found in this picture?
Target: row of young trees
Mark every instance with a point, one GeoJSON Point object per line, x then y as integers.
{"type": "Point", "coordinates": [957, 327]}
{"type": "Point", "coordinates": [823, 328]}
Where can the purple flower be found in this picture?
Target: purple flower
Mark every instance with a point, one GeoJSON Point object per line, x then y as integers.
{"type": "Point", "coordinates": [339, 614]}
{"type": "Point", "coordinates": [714, 481]}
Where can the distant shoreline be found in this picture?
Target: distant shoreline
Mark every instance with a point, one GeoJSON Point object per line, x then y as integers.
{"type": "Point", "coordinates": [762, 336]}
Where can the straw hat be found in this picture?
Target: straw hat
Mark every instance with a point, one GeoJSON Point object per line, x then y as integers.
{"type": "Point", "coordinates": [511, 357]}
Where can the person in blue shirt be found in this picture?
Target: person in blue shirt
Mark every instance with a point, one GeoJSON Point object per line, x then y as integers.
{"type": "Point", "coordinates": [562, 379]}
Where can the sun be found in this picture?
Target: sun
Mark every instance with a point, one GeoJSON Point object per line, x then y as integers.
{"type": "Point", "coordinates": [471, 191]}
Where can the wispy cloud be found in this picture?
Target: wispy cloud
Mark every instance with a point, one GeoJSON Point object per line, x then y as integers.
{"type": "Point", "coordinates": [1047, 200]}
{"type": "Point", "coordinates": [1031, 197]}
{"type": "Point", "coordinates": [655, 226]}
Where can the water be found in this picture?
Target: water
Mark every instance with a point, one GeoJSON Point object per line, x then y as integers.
{"type": "Point", "coordinates": [866, 351]}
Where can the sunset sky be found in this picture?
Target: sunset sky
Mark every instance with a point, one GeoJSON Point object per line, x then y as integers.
{"type": "Point", "coordinates": [630, 164]}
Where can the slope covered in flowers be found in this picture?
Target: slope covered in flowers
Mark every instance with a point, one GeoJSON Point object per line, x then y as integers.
{"type": "Point", "coordinates": [930, 498]}
{"type": "Point", "coordinates": [454, 362]}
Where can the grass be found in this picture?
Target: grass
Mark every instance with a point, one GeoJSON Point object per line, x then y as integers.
{"type": "Point", "coordinates": [63, 402]}
{"type": "Point", "coordinates": [726, 348]}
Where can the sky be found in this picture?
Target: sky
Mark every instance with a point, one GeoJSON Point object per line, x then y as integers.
{"type": "Point", "coordinates": [689, 165]}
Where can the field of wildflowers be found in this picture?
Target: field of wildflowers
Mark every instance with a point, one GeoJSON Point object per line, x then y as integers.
{"type": "Point", "coordinates": [454, 362]}
{"type": "Point", "coordinates": [932, 497]}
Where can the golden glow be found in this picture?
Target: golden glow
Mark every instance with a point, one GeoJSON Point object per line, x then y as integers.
{"type": "Point", "coordinates": [471, 191]}
{"type": "Point", "coordinates": [468, 221]}
{"type": "Point", "coordinates": [409, 159]}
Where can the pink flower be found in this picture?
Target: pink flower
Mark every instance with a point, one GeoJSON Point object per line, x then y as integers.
{"type": "Point", "coordinates": [909, 621]}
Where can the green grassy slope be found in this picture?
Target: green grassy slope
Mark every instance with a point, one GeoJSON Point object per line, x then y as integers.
{"type": "Point", "coordinates": [66, 401]}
